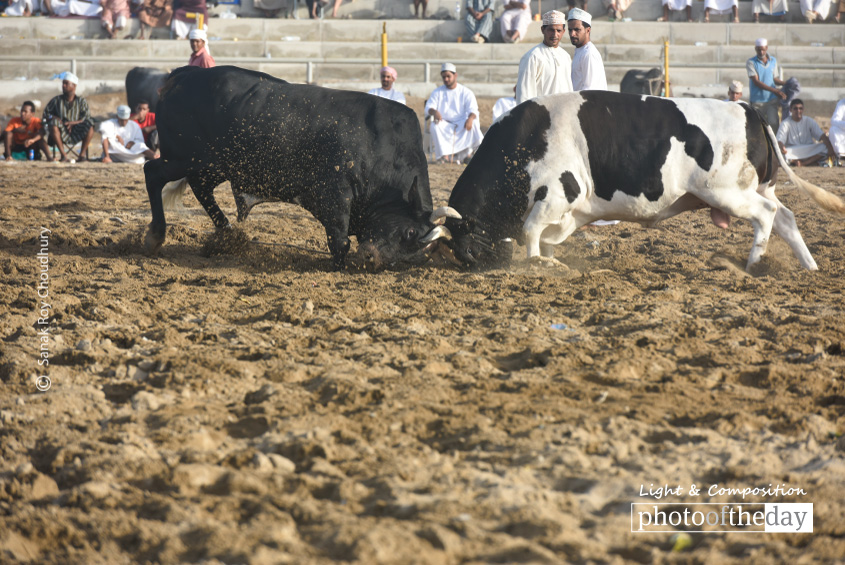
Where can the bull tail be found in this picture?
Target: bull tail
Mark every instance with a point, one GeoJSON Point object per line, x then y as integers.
{"type": "Point", "coordinates": [822, 197]}
{"type": "Point", "coordinates": [171, 194]}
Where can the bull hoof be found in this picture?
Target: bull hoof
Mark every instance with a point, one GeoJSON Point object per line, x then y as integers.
{"type": "Point", "coordinates": [153, 241]}
{"type": "Point", "coordinates": [546, 263]}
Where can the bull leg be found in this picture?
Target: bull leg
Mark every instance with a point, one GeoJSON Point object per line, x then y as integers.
{"type": "Point", "coordinates": [751, 206]}
{"type": "Point", "coordinates": [541, 217]}
{"type": "Point", "coordinates": [203, 185]}
{"type": "Point", "coordinates": [786, 227]}
{"type": "Point", "coordinates": [157, 173]}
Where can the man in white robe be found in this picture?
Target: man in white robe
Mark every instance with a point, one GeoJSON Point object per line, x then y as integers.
{"type": "Point", "coordinates": [837, 130]}
{"type": "Point", "coordinates": [676, 6]}
{"type": "Point", "coordinates": [388, 77]}
{"type": "Point", "coordinates": [123, 140]}
{"type": "Point", "coordinates": [546, 68]}
{"type": "Point", "coordinates": [455, 131]}
{"type": "Point", "coordinates": [815, 10]}
{"type": "Point", "coordinates": [503, 106]}
{"type": "Point", "coordinates": [587, 67]}
{"type": "Point", "coordinates": [797, 136]}
{"type": "Point", "coordinates": [770, 8]}
{"type": "Point", "coordinates": [721, 7]}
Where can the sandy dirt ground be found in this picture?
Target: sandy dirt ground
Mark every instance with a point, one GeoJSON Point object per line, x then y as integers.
{"type": "Point", "coordinates": [244, 404]}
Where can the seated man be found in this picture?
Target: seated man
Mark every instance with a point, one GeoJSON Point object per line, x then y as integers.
{"type": "Point", "coordinates": [721, 7]}
{"type": "Point", "coordinates": [616, 8]}
{"type": "Point", "coordinates": [18, 8]}
{"type": "Point", "coordinates": [123, 140]}
{"type": "Point", "coordinates": [503, 106]}
{"type": "Point", "coordinates": [68, 120]}
{"type": "Point", "coordinates": [676, 6]}
{"type": "Point", "coordinates": [24, 134]}
{"type": "Point", "coordinates": [479, 20]}
{"type": "Point", "coordinates": [185, 14]}
{"type": "Point", "coordinates": [65, 8]}
{"type": "Point", "coordinates": [777, 8]}
{"type": "Point", "coordinates": [515, 20]}
{"type": "Point", "coordinates": [417, 4]}
{"type": "Point", "coordinates": [147, 122]}
{"type": "Point", "coordinates": [837, 131]}
{"type": "Point", "coordinates": [798, 136]}
{"type": "Point", "coordinates": [115, 16]}
{"type": "Point", "coordinates": [815, 10]}
{"type": "Point", "coordinates": [453, 106]}
{"type": "Point", "coordinates": [388, 77]}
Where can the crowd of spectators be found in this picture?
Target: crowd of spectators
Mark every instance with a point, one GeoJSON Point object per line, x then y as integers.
{"type": "Point", "coordinates": [512, 16]}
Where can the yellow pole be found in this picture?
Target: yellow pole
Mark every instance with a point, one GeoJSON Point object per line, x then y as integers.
{"type": "Point", "coordinates": [384, 44]}
{"type": "Point", "coordinates": [666, 69]}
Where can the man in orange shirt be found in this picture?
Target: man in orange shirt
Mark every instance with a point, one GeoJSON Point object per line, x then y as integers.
{"type": "Point", "coordinates": [147, 122]}
{"type": "Point", "coordinates": [25, 133]}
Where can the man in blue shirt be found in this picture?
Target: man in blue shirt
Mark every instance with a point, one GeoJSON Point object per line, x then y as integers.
{"type": "Point", "coordinates": [764, 76]}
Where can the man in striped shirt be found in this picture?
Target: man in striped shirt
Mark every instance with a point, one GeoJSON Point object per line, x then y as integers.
{"type": "Point", "coordinates": [68, 120]}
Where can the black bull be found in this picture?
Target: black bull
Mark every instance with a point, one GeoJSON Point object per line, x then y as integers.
{"type": "Point", "coordinates": [143, 84]}
{"type": "Point", "coordinates": [353, 160]}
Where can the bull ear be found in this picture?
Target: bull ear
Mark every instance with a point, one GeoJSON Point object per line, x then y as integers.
{"type": "Point", "coordinates": [415, 198]}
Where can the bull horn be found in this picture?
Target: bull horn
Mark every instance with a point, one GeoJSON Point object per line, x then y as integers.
{"type": "Point", "coordinates": [437, 233]}
{"type": "Point", "coordinates": [444, 212]}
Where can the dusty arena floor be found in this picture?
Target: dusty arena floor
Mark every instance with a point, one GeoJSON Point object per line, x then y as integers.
{"type": "Point", "coordinates": [250, 406]}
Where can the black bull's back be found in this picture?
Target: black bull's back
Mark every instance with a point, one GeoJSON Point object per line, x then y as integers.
{"type": "Point", "coordinates": [353, 160]}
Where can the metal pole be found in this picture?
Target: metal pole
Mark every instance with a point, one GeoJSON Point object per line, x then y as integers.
{"type": "Point", "coordinates": [666, 68]}
{"type": "Point", "coordinates": [427, 73]}
{"type": "Point", "coordinates": [309, 72]}
{"type": "Point", "coordinates": [384, 44]}
{"type": "Point", "coordinates": [73, 66]}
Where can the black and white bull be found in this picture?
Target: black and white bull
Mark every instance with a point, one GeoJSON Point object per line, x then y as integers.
{"type": "Point", "coordinates": [559, 162]}
{"type": "Point", "coordinates": [353, 160]}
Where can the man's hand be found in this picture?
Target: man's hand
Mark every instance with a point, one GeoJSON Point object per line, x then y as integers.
{"type": "Point", "coordinates": [120, 140]}
{"type": "Point", "coordinates": [781, 93]}
{"type": "Point", "coordinates": [468, 124]}
{"type": "Point", "coordinates": [130, 144]}
{"type": "Point", "coordinates": [29, 142]}
{"type": "Point", "coordinates": [436, 114]}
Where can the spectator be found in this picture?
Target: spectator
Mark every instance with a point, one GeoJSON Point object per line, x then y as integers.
{"type": "Point", "coordinates": [114, 16]}
{"type": "Point", "coordinates": [417, 4]}
{"type": "Point", "coordinates": [581, 4]}
{"type": "Point", "coordinates": [839, 11]}
{"type": "Point", "coordinates": [388, 77]}
{"type": "Point", "coordinates": [587, 67]}
{"type": "Point", "coordinates": [764, 75]}
{"type": "Point", "coordinates": [837, 131]}
{"type": "Point", "coordinates": [777, 8]}
{"type": "Point", "coordinates": [676, 6]}
{"type": "Point", "coordinates": [514, 20]}
{"type": "Point", "coordinates": [734, 92]}
{"type": "Point", "coordinates": [546, 68]}
{"type": "Point", "coordinates": [122, 139]}
{"type": "Point", "coordinates": [24, 134]}
{"type": "Point", "coordinates": [154, 13]}
{"type": "Point", "coordinates": [479, 19]}
{"type": "Point", "coordinates": [146, 120]}
{"type": "Point", "coordinates": [200, 57]}
{"type": "Point", "coordinates": [720, 7]}
{"type": "Point", "coordinates": [616, 8]}
{"type": "Point", "coordinates": [798, 137]}
{"type": "Point", "coordinates": [181, 24]}
{"type": "Point", "coordinates": [65, 8]}
{"type": "Point", "coordinates": [20, 8]}
{"type": "Point", "coordinates": [503, 106]}
{"type": "Point", "coordinates": [455, 131]}
{"type": "Point", "coordinates": [815, 10]}
{"type": "Point", "coordinates": [67, 119]}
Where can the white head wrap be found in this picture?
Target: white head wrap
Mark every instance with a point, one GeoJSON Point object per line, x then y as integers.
{"type": "Point", "coordinates": [198, 34]}
{"type": "Point", "coordinates": [390, 71]}
{"type": "Point", "coordinates": [553, 18]}
{"type": "Point", "coordinates": [448, 67]}
{"type": "Point", "coordinates": [761, 42]}
{"type": "Point", "coordinates": [70, 77]}
{"type": "Point", "coordinates": [579, 14]}
{"type": "Point", "coordinates": [735, 86]}
{"type": "Point", "coordinates": [123, 112]}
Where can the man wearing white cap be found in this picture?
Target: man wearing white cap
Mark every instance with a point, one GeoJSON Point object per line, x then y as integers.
{"type": "Point", "coordinates": [123, 140]}
{"type": "Point", "coordinates": [200, 57]}
{"type": "Point", "coordinates": [764, 74]}
{"type": "Point", "coordinates": [456, 131]}
{"type": "Point", "coordinates": [734, 92]}
{"type": "Point", "coordinates": [587, 67]}
{"type": "Point", "coordinates": [67, 118]}
{"type": "Point", "coordinates": [546, 68]}
{"type": "Point", "coordinates": [388, 77]}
